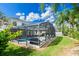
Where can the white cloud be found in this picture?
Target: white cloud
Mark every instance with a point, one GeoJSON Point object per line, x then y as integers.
{"type": "Point", "coordinates": [48, 9]}
{"type": "Point", "coordinates": [22, 17]}
{"type": "Point", "coordinates": [23, 13]}
{"type": "Point", "coordinates": [32, 16]}
{"type": "Point", "coordinates": [18, 14]}
{"type": "Point", "coordinates": [50, 19]}
{"type": "Point", "coordinates": [47, 13]}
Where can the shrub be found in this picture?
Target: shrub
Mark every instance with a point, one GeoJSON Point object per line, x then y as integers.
{"type": "Point", "coordinates": [76, 35]}
{"type": "Point", "coordinates": [5, 36]}
{"type": "Point", "coordinates": [73, 33]}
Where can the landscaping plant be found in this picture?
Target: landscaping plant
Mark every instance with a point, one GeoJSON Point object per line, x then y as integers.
{"type": "Point", "coordinates": [6, 36]}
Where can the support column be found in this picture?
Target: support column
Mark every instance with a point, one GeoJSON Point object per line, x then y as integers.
{"type": "Point", "coordinates": [38, 34]}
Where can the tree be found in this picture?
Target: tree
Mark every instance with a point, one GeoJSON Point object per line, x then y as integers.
{"type": "Point", "coordinates": [42, 7]}
{"type": "Point", "coordinates": [55, 7]}
{"type": "Point", "coordinates": [6, 36]}
{"type": "Point", "coordinates": [66, 16]}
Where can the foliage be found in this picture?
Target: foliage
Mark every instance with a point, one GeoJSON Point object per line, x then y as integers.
{"type": "Point", "coordinates": [66, 16]}
{"type": "Point", "coordinates": [70, 17]}
{"type": "Point", "coordinates": [53, 49]}
{"type": "Point", "coordinates": [5, 36]}
{"type": "Point", "coordinates": [42, 7]}
{"type": "Point", "coordinates": [14, 50]}
{"type": "Point", "coordinates": [55, 7]}
{"type": "Point", "coordinates": [73, 33]}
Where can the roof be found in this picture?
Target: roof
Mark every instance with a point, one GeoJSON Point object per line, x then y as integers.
{"type": "Point", "coordinates": [36, 28]}
{"type": "Point", "coordinates": [32, 24]}
{"type": "Point", "coordinates": [16, 19]}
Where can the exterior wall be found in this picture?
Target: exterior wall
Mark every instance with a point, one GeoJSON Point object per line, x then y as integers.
{"type": "Point", "coordinates": [19, 23]}
{"type": "Point", "coordinates": [16, 22]}
{"type": "Point", "coordinates": [40, 32]}
{"type": "Point", "coordinates": [1, 23]}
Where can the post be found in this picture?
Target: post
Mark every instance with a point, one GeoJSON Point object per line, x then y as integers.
{"type": "Point", "coordinates": [18, 42]}
{"type": "Point", "coordinates": [38, 35]}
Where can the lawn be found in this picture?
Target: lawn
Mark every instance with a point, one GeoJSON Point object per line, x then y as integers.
{"type": "Point", "coordinates": [55, 48]}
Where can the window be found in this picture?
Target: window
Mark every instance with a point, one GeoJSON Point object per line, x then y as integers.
{"type": "Point", "coordinates": [22, 24]}
{"type": "Point", "coordinates": [14, 23]}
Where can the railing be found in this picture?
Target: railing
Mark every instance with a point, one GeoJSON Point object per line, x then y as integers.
{"type": "Point", "coordinates": [37, 28]}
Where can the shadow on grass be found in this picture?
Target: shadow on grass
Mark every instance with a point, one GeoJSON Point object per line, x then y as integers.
{"type": "Point", "coordinates": [18, 52]}
{"type": "Point", "coordinates": [56, 41]}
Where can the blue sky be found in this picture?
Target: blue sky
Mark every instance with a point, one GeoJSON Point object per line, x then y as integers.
{"type": "Point", "coordinates": [31, 10]}
{"type": "Point", "coordinates": [11, 9]}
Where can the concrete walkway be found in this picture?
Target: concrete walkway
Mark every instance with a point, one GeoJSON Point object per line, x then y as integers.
{"type": "Point", "coordinates": [74, 51]}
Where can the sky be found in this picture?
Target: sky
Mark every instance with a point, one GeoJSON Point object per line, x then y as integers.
{"type": "Point", "coordinates": [10, 9]}
{"type": "Point", "coordinates": [31, 11]}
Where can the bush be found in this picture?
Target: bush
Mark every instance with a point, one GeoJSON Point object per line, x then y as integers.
{"type": "Point", "coordinates": [73, 33]}
{"type": "Point", "coordinates": [5, 36]}
{"type": "Point", "coordinates": [65, 30]}
{"type": "Point", "coordinates": [76, 35]}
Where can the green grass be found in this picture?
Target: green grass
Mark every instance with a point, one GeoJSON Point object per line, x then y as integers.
{"type": "Point", "coordinates": [53, 49]}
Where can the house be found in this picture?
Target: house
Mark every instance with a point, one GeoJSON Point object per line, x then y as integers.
{"type": "Point", "coordinates": [3, 24]}
{"type": "Point", "coordinates": [17, 22]}
{"type": "Point", "coordinates": [38, 34]}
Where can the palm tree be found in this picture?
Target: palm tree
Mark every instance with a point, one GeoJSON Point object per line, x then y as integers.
{"type": "Point", "coordinates": [73, 18]}
{"type": "Point", "coordinates": [55, 7]}
{"type": "Point", "coordinates": [70, 16]}
{"type": "Point", "coordinates": [76, 11]}
{"type": "Point", "coordinates": [61, 17]}
{"type": "Point", "coordinates": [42, 7]}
